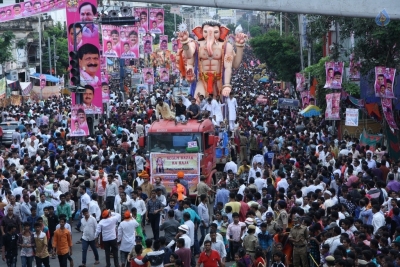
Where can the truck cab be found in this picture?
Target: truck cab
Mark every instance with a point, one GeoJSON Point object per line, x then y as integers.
{"type": "Point", "coordinates": [167, 144]}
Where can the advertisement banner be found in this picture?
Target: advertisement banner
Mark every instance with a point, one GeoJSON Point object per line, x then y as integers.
{"type": "Point", "coordinates": [351, 117]}
{"type": "Point", "coordinates": [164, 42]}
{"type": "Point", "coordinates": [79, 126]}
{"type": "Point", "coordinates": [111, 46]}
{"type": "Point", "coordinates": [175, 45]}
{"type": "Point", "coordinates": [148, 75]}
{"type": "Point", "coordinates": [300, 82]}
{"type": "Point", "coordinates": [148, 44]}
{"type": "Point", "coordinates": [288, 103]}
{"type": "Point", "coordinates": [130, 42]}
{"type": "Point", "coordinates": [370, 139]}
{"type": "Point", "coordinates": [142, 13]}
{"type": "Point", "coordinates": [332, 106]}
{"type": "Point", "coordinates": [3, 85]}
{"type": "Point", "coordinates": [161, 163]}
{"type": "Point", "coordinates": [354, 74]}
{"type": "Point", "coordinates": [156, 21]}
{"type": "Point", "coordinates": [388, 112]}
{"type": "Point", "coordinates": [164, 75]}
{"type": "Point", "coordinates": [305, 99]}
{"type": "Point", "coordinates": [89, 53]}
{"type": "Point", "coordinates": [42, 79]}
{"type": "Point", "coordinates": [29, 8]}
{"type": "Point", "coordinates": [384, 78]}
{"type": "Point", "coordinates": [180, 91]}
{"type": "Point", "coordinates": [334, 75]}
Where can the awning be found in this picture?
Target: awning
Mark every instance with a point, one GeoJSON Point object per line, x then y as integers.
{"type": "Point", "coordinates": [26, 88]}
{"type": "Point", "coordinates": [310, 111]}
{"type": "Point", "coordinates": [49, 78]}
{"type": "Point", "coordinates": [288, 103]}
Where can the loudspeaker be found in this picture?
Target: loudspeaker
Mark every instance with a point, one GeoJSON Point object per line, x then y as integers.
{"type": "Point", "coordinates": [126, 11]}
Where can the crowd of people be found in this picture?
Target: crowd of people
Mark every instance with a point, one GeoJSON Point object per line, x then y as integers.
{"type": "Point", "coordinates": [291, 194]}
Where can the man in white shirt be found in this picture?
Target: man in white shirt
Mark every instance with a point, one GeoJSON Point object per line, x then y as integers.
{"type": "Point", "coordinates": [94, 208]}
{"type": "Point", "coordinates": [378, 219]}
{"type": "Point", "coordinates": [107, 229]}
{"type": "Point", "coordinates": [371, 163]}
{"type": "Point", "coordinates": [230, 165]}
{"type": "Point", "coordinates": [138, 204]}
{"type": "Point", "coordinates": [126, 235]}
{"type": "Point", "coordinates": [18, 190]}
{"type": "Point", "coordinates": [232, 107]}
{"type": "Point", "coordinates": [88, 228]}
{"type": "Point", "coordinates": [54, 194]}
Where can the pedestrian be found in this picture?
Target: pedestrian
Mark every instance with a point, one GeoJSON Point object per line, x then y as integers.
{"type": "Point", "coordinates": [42, 256]}
{"type": "Point", "coordinates": [155, 257]}
{"type": "Point", "coordinates": [209, 257]}
{"type": "Point", "coordinates": [88, 228]}
{"type": "Point", "coordinates": [299, 237]}
{"type": "Point", "coordinates": [10, 246]}
{"type": "Point", "coordinates": [154, 209]}
{"type": "Point", "coordinates": [126, 236]}
{"type": "Point", "coordinates": [26, 242]}
{"type": "Point", "coordinates": [107, 228]}
{"type": "Point", "coordinates": [62, 243]}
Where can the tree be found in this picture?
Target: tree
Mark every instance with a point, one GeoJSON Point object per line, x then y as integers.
{"type": "Point", "coordinates": [255, 31]}
{"type": "Point", "coordinates": [281, 53]}
{"type": "Point", "coordinates": [6, 39]}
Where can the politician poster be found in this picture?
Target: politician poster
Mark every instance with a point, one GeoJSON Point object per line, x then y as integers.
{"type": "Point", "coordinates": [164, 42]}
{"type": "Point", "coordinates": [148, 75]}
{"type": "Point", "coordinates": [300, 82]}
{"type": "Point", "coordinates": [156, 21]}
{"type": "Point", "coordinates": [384, 78]}
{"type": "Point", "coordinates": [164, 75]}
{"type": "Point", "coordinates": [142, 14]}
{"type": "Point", "coordinates": [129, 42]}
{"type": "Point", "coordinates": [79, 126]}
{"type": "Point", "coordinates": [112, 46]}
{"type": "Point", "coordinates": [387, 108]}
{"type": "Point", "coordinates": [42, 79]}
{"type": "Point", "coordinates": [332, 106]}
{"type": "Point", "coordinates": [148, 44]}
{"type": "Point", "coordinates": [334, 75]}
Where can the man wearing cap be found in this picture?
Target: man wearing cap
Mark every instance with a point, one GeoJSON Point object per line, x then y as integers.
{"type": "Point", "coordinates": [330, 261]}
{"type": "Point", "coordinates": [180, 175]}
{"type": "Point", "coordinates": [299, 237]}
{"type": "Point", "coordinates": [271, 224]}
{"type": "Point", "coordinates": [183, 232]}
{"type": "Point", "coordinates": [250, 241]}
{"type": "Point", "coordinates": [126, 235]}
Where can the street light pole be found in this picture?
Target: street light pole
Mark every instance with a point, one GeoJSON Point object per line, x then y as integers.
{"type": "Point", "coordinates": [40, 52]}
{"type": "Point", "coordinates": [54, 55]}
{"type": "Point", "coordinates": [49, 47]}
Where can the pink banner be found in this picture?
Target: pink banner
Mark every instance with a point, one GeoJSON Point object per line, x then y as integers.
{"type": "Point", "coordinates": [164, 75]}
{"type": "Point", "coordinates": [334, 75]}
{"type": "Point", "coordinates": [354, 69]}
{"type": "Point", "coordinates": [111, 45]}
{"type": "Point", "coordinates": [88, 52]}
{"type": "Point", "coordinates": [29, 8]}
{"type": "Point", "coordinates": [305, 98]}
{"type": "Point", "coordinates": [388, 112]}
{"type": "Point", "coordinates": [129, 42]}
{"type": "Point", "coordinates": [79, 126]}
{"type": "Point", "coordinates": [175, 45]}
{"type": "Point", "coordinates": [164, 42]}
{"type": "Point", "coordinates": [42, 78]}
{"type": "Point", "coordinates": [142, 13]}
{"type": "Point", "coordinates": [148, 75]}
{"type": "Point", "coordinates": [332, 106]}
{"type": "Point", "coordinates": [156, 22]}
{"type": "Point", "coordinates": [384, 78]}
{"type": "Point", "coordinates": [105, 89]}
{"type": "Point", "coordinates": [300, 82]}
{"type": "Point", "coordinates": [148, 44]}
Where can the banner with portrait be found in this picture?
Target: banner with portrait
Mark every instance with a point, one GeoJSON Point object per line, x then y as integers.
{"type": "Point", "coordinates": [112, 46]}
{"type": "Point", "coordinates": [148, 75]}
{"type": "Point", "coordinates": [354, 73]}
{"type": "Point", "coordinates": [3, 85]}
{"type": "Point", "coordinates": [89, 52]}
{"type": "Point", "coordinates": [147, 44]}
{"type": "Point", "coordinates": [332, 111]}
{"type": "Point", "coordinates": [142, 14]}
{"type": "Point", "coordinates": [305, 99]}
{"type": "Point", "coordinates": [164, 75]}
{"type": "Point", "coordinates": [164, 42]}
{"type": "Point", "coordinates": [25, 9]}
{"type": "Point", "coordinates": [387, 109]}
{"type": "Point", "coordinates": [384, 78]}
{"type": "Point", "coordinates": [42, 80]}
{"type": "Point", "coordinates": [351, 117]}
{"type": "Point", "coordinates": [334, 75]}
{"type": "Point", "coordinates": [129, 42]}
{"type": "Point", "coordinates": [156, 20]}
{"type": "Point", "coordinates": [300, 82]}
{"type": "Point", "coordinates": [175, 45]}
{"type": "Point", "coordinates": [143, 89]}
{"type": "Point", "coordinates": [78, 126]}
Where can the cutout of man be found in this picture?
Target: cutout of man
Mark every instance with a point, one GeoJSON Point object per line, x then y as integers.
{"type": "Point", "coordinates": [89, 63]}
{"type": "Point", "coordinates": [87, 11]}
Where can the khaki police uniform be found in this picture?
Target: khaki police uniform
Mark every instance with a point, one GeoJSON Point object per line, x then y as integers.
{"type": "Point", "coordinates": [300, 235]}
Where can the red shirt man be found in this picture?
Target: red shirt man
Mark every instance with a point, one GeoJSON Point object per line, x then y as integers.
{"type": "Point", "coordinates": [209, 258]}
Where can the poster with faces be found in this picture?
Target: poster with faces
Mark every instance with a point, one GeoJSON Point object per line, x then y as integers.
{"type": "Point", "coordinates": [148, 75]}
{"type": "Point", "coordinates": [384, 78]}
{"type": "Point", "coordinates": [164, 75]}
{"type": "Point", "coordinates": [129, 42]}
{"type": "Point", "coordinates": [156, 20]}
{"type": "Point", "coordinates": [164, 42]}
{"type": "Point", "coordinates": [111, 46]}
{"type": "Point", "coordinates": [142, 14]}
{"type": "Point", "coordinates": [334, 75]}
{"type": "Point", "coordinates": [175, 45]}
{"type": "Point", "coordinates": [148, 44]}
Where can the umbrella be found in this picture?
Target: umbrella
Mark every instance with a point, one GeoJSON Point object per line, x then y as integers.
{"type": "Point", "coordinates": [264, 79]}
{"type": "Point", "coordinates": [310, 111]}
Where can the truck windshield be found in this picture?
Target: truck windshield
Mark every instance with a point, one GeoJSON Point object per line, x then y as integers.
{"type": "Point", "coordinates": [172, 142]}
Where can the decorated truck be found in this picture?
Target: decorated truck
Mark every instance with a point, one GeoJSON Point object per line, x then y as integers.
{"type": "Point", "coordinates": [190, 148]}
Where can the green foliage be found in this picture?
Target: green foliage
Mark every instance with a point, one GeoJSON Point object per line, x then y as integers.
{"type": "Point", "coordinates": [255, 31]}
{"type": "Point", "coordinates": [231, 28]}
{"type": "Point", "coordinates": [6, 39]}
{"type": "Point", "coordinates": [281, 53]}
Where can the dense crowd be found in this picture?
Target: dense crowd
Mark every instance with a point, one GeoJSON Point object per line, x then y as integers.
{"type": "Point", "coordinates": [291, 194]}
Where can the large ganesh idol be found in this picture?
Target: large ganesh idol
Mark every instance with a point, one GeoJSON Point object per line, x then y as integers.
{"type": "Point", "coordinates": [210, 59]}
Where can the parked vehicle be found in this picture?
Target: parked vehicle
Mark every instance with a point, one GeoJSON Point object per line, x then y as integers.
{"type": "Point", "coordinates": [8, 130]}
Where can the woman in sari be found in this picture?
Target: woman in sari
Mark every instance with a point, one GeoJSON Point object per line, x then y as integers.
{"type": "Point", "coordinates": [139, 230]}
{"type": "Point", "coordinates": [179, 189]}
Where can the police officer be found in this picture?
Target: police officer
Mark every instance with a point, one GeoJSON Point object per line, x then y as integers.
{"type": "Point", "coordinates": [299, 238]}
{"type": "Point", "coordinates": [243, 146]}
{"type": "Point", "coordinates": [250, 241]}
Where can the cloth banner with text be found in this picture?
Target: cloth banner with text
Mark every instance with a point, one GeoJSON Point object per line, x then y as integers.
{"type": "Point", "coordinates": [142, 13]}
{"type": "Point", "coordinates": [111, 41]}
{"type": "Point", "coordinates": [129, 42]}
{"type": "Point", "coordinates": [388, 112]}
{"type": "Point", "coordinates": [334, 75]}
{"type": "Point", "coordinates": [332, 106]}
{"type": "Point", "coordinates": [300, 82]}
{"type": "Point", "coordinates": [384, 78]}
{"type": "Point", "coordinates": [89, 54]}
{"type": "Point", "coordinates": [351, 117]}
{"type": "Point", "coordinates": [79, 126]}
